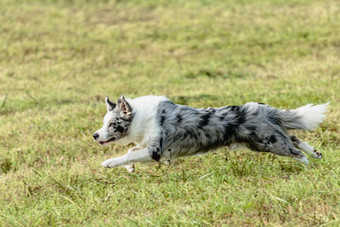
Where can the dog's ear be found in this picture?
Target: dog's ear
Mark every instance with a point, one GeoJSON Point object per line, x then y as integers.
{"type": "Point", "coordinates": [109, 105]}
{"type": "Point", "coordinates": [124, 106]}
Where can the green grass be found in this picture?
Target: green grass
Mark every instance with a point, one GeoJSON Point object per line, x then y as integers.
{"type": "Point", "coordinates": [59, 59]}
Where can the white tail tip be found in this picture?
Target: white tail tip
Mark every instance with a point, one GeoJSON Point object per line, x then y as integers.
{"type": "Point", "coordinates": [312, 116]}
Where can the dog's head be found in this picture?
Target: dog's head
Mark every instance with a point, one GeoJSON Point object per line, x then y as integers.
{"type": "Point", "coordinates": [116, 122]}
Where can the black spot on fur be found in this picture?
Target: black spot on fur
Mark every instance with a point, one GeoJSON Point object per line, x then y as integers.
{"type": "Point", "coordinates": [272, 139]}
{"type": "Point", "coordinates": [240, 114]}
{"type": "Point", "coordinates": [179, 118]}
{"type": "Point", "coordinates": [221, 118]}
{"type": "Point", "coordinates": [120, 129]}
{"type": "Point", "coordinates": [161, 142]}
{"type": "Point", "coordinates": [229, 133]}
{"type": "Point", "coordinates": [204, 119]}
{"type": "Point", "coordinates": [156, 156]}
{"type": "Point", "coordinates": [261, 103]}
{"type": "Point", "coordinates": [162, 120]}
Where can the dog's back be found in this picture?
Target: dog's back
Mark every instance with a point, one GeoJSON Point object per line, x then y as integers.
{"type": "Point", "coordinates": [188, 131]}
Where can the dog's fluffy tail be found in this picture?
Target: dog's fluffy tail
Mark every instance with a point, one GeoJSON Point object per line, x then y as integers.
{"type": "Point", "coordinates": [305, 117]}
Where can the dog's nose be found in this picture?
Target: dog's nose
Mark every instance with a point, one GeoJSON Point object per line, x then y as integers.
{"type": "Point", "coordinates": [95, 136]}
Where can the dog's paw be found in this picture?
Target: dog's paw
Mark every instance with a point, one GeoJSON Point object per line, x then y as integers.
{"type": "Point", "coordinates": [130, 168]}
{"type": "Point", "coordinates": [105, 164]}
{"type": "Point", "coordinates": [317, 154]}
{"type": "Point", "coordinates": [110, 163]}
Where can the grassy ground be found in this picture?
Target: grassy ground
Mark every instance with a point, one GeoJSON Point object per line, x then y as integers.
{"type": "Point", "coordinates": [59, 59]}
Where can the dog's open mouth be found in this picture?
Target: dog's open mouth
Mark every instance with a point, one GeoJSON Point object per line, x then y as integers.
{"type": "Point", "coordinates": [108, 141]}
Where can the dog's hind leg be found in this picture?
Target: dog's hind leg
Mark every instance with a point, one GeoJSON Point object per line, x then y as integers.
{"type": "Point", "coordinates": [304, 146]}
{"type": "Point", "coordinates": [279, 144]}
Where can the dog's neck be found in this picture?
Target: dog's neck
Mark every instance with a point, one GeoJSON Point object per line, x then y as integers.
{"type": "Point", "coordinates": [143, 127]}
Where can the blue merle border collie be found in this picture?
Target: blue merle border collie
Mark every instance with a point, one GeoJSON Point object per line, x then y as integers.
{"type": "Point", "coordinates": [163, 131]}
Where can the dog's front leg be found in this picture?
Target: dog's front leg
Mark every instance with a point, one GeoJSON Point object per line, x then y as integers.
{"type": "Point", "coordinates": [131, 167]}
{"type": "Point", "coordinates": [142, 155]}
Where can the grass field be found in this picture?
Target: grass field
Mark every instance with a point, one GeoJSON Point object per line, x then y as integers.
{"type": "Point", "coordinates": [59, 59]}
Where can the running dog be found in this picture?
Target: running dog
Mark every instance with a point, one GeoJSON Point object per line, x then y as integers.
{"type": "Point", "coordinates": [163, 131]}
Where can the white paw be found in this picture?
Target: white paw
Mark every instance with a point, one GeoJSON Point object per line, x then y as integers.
{"type": "Point", "coordinates": [106, 164]}
{"type": "Point", "coordinates": [317, 154]}
{"type": "Point", "coordinates": [130, 168]}
{"type": "Point", "coordinates": [110, 163]}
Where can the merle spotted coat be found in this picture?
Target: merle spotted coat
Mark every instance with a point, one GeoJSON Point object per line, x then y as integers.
{"type": "Point", "coordinates": [164, 131]}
